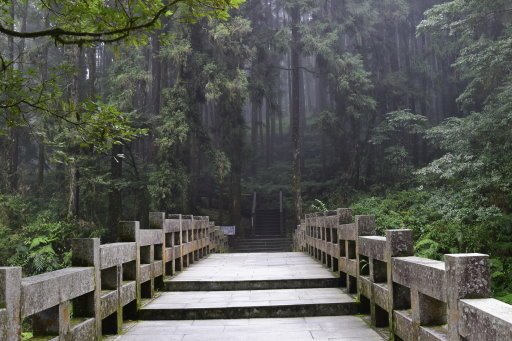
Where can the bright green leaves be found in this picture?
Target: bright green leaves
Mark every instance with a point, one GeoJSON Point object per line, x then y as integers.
{"type": "Point", "coordinates": [95, 21]}
{"type": "Point", "coordinates": [398, 123]}
{"type": "Point", "coordinates": [220, 165]}
{"type": "Point", "coordinates": [173, 127]}
{"type": "Point", "coordinates": [102, 125]}
{"type": "Point", "coordinates": [230, 37]}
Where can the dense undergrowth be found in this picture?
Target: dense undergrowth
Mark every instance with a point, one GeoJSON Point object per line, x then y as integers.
{"type": "Point", "coordinates": [440, 228]}
{"type": "Point", "coordinates": [35, 237]}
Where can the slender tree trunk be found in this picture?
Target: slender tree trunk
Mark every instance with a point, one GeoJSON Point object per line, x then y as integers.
{"type": "Point", "coordinates": [295, 113]}
{"type": "Point", "coordinates": [14, 132]}
{"type": "Point", "coordinates": [254, 135]}
{"type": "Point", "coordinates": [74, 170]}
{"type": "Point", "coordinates": [115, 199]}
{"type": "Point", "coordinates": [268, 132]}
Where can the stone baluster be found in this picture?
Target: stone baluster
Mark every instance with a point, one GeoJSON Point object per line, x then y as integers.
{"type": "Point", "coordinates": [86, 252]}
{"type": "Point", "coordinates": [399, 243]}
{"type": "Point", "coordinates": [10, 303]}
{"type": "Point", "coordinates": [467, 276]}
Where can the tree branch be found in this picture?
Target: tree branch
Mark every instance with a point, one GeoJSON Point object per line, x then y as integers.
{"type": "Point", "coordinates": [60, 35]}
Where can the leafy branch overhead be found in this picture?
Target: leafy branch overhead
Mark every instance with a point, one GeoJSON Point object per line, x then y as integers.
{"type": "Point", "coordinates": [84, 22]}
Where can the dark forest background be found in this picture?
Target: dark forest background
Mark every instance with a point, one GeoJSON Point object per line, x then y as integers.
{"type": "Point", "coordinates": [399, 108]}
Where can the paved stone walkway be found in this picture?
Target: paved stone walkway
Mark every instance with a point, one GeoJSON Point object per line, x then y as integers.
{"type": "Point", "coordinates": [251, 298]}
{"type": "Point", "coordinates": [170, 312]}
{"type": "Point", "coordinates": [332, 328]}
{"type": "Point", "coordinates": [254, 266]}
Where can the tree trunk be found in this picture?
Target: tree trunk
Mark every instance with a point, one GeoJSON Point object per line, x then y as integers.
{"type": "Point", "coordinates": [295, 113]}
{"type": "Point", "coordinates": [115, 203]}
{"type": "Point", "coordinates": [74, 170]}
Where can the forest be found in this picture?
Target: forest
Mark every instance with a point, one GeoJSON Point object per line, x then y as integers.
{"type": "Point", "coordinates": [398, 108]}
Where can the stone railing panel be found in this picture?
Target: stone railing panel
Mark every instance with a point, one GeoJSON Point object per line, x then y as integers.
{"type": "Point", "coordinates": [47, 290]}
{"type": "Point", "coordinates": [425, 275]}
{"type": "Point", "coordinates": [418, 298]}
{"type": "Point", "coordinates": [485, 319]}
{"type": "Point", "coordinates": [107, 282]}
{"type": "Point", "coordinates": [117, 253]}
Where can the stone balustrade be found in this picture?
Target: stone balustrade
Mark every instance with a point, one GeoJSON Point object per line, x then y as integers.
{"type": "Point", "coordinates": [417, 298]}
{"type": "Point", "coordinates": [106, 283]}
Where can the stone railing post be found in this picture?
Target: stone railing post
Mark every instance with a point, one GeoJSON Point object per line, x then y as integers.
{"type": "Point", "coordinates": [86, 253]}
{"type": "Point", "coordinates": [10, 304]}
{"type": "Point", "coordinates": [129, 233]}
{"type": "Point", "coordinates": [399, 243]}
{"type": "Point", "coordinates": [467, 276]}
{"type": "Point", "coordinates": [365, 226]}
{"type": "Point", "coordinates": [157, 222]}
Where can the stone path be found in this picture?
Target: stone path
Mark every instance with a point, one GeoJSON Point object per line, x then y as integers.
{"type": "Point", "coordinates": [339, 328]}
{"type": "Point", "coordinates": [254, 266]}
{"type": "Point", "coordinates": [251, 298]}
{"type": "Point", "coordinates": [284, 286]}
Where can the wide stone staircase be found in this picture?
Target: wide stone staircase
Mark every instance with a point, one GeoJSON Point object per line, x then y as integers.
{"type": "Point", "coordinates": [234, 286]}
{"type": "Point", "coordinates": [253, 296]}
{"type": "Point", "coordinates": [266, 236]}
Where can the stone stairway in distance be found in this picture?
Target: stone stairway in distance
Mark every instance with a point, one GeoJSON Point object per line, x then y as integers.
{"type": "Point", "coordinates": [252, 285]}
{"type": "Point", "coordinates": [266, 236]}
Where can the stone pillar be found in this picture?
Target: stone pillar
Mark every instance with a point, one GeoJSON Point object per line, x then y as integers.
{"type": "Point", "coordinates": [157, 222]}
{"type": "Point", "coordinates": [365, 226]}
{"type": "Point", "coordinates": [467, 276]}
{"type": "Point", "coordinates": [399, 243]}
{"type": "Point", "coordinates": [344, 216]}
{"type": "Point", "coordinates": [129, 233]}
{"type": "Point", "coordinates": [86, 252]}
{"type": "Point", "coordinates": [10, 304]}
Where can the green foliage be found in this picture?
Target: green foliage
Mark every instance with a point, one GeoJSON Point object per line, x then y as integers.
{"type": "Point", "coordinates": [442, 223]}
{"type": "Point", "coordinates": [318, 206]}
{"type": "Point", "coordinates": [37, 239]}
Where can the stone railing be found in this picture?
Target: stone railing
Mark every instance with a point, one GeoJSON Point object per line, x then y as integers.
{"type": "Point", "coordinates": [107, 283]}
{"type": "Point", "coordinates": [417, 298]}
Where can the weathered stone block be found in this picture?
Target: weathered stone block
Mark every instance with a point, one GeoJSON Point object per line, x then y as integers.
{"type": "Point", "coordinates": [399, 243]}
{"type": "Point", "coordinates": [50, 289]}
{"type": "Point", "coordinates": [403, 325]}
{"type": "Point", "coordinates": [156, 220]}
{"type": "Point", "coordinates": [380, 295]}
{"type": "Point", "coordinates": [84, 331]}
{"type": "Point", "coordinates": [10, 303]}
{"type": "Point", "coordinates": [150, 237]}
{"type": "Point", "coordinates": [129, 231]}
{"type": "Point", "coordinates": [117, 253]}
{"type": "Point", "coordinates": [128, 292]}
{"type": "Point", "coordinates": [365, 286]}
{"type": "Point", "coordinates": [372, 246]}
{"type": "Point", "coordinates": [173, 225]}
{"type": "Point", "coordinates": [345, 216]}
{"type": "Point", "coordinates": [145, 272]}
{"type": "Point", "coordinates": [485, 320]}
{"type": "Point", "coordinates": [435, 333]}
{"type": "Point", "coordinates": [109, 300]}
{"type": "Point", "coordinates": [467, 276]}
{"type": "Point", "coordinates": [425, 274]}
{"type": "Point", "coordinates": [365, 225]}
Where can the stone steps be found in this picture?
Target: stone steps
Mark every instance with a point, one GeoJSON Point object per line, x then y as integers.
{"type": "Point", "coordinates": [278, 303]}
{"type": "Point", "coordinates": [246, 286]}
{"type": "Point", "coordinates": [266, 244]}
{"type": "Point", "coordinates": [261, 284]}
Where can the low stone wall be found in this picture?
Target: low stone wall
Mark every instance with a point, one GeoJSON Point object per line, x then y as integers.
{"type": "Point", "coordinates": [417, 298]}
{"type": "Point", "coordinates": [107, 282]}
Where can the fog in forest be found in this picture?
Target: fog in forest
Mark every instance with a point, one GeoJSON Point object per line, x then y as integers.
{"type": "Point", "coordinates": [398, 108]}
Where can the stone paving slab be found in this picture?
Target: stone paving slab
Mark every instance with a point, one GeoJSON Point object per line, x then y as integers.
{"type": "Point", "coordinates": [340, 328]}
{"type": "Point", "coordinates": [247, 298]}
{"type": "Point", "coordinates": [254, 266]}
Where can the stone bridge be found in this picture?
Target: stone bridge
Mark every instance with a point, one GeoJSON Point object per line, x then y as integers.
{"type": "Point", "coordinates": [173, 281]}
